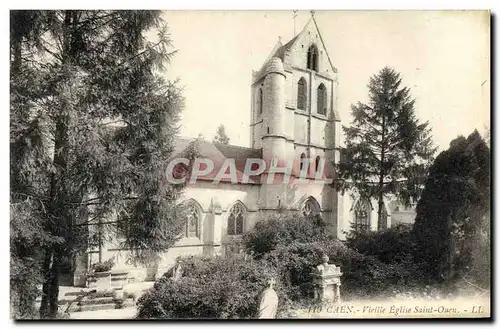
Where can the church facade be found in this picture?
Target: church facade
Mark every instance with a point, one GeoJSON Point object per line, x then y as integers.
{"type": "Point", "coordinates": [294, 120]}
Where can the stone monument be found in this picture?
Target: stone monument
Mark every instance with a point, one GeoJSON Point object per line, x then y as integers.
{"type": "Point", "coordinates": [178, 272]}
{"type": "Point", "coordinates": [326, 280]}
{"type": "Point", "coordinates": [268, 305]}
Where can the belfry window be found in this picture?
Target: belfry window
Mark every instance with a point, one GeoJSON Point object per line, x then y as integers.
{"type": "Point", "coordinates": [302, 161]}
{"type": "Point", "coordinates": [312, 58]}
{"type": "Point", "coordinates": [318, 159]}
{"type": "Point", "coordinates": [321, 94]}
{"type": "Point", "coordinates": [301, 94]}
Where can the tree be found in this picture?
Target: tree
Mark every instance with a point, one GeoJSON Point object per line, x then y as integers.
{"type": "Point", "coordinates": [387, 150]}
{"type": "Point", "coordinates": [221, 136]}
{"type": "Point", "coordinates": [92, 127]}
{"type": "Point", "coordinates": [452, 226]}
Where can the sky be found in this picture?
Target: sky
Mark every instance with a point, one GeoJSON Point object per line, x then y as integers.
{"type": "Point", "coordinates": [442, 56]}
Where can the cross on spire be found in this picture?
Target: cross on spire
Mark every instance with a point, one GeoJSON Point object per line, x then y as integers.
{"type": "Point", "coordinates": [294, 16]}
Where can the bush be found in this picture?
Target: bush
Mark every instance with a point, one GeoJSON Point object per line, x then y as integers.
{"type": "Point", "coordinates": [363, 276]}
{"type": "Point", "coordinates": [294, 263]}
{"type": "Point", "coordinates": [104, 266]}
{"type": "Point", "coordinates": [390, 245]}
{"type": "Point", "coordinates": [283, 230]}
{"type": "Point", "coordinates": [366, 275]}
{"type": "Point", "coordinates": [210, 288]}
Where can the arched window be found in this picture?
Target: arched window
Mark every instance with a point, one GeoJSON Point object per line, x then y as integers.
{"type": "Point", "coordinates": [235, 220]}
{"type": "Point", "coordinates": [260, 101]}
{"type": "Point", "coordinates": [310, 208]}
{"type": "Point", "coordinates": [302, 94]}
{"type": "Point", "coordinates": [192, 222]}
{"type": "Point", "coordinates": [302, 161]}
{"type": "Point", "coordinates": [190, 212]}
{"type": "Point", "coordinates": [321, 106]}
{"type": "Point", "coordinates": [317, 163]}
{"type": "Point", "coordinates": [382, 220]}
{"type": "Point", "coordinates": [312, 58]}
{"type": "Point", "coordinates": [362, 211]}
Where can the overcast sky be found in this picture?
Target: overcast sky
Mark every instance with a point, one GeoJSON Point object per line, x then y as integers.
{"type": "Point", "coordinates": [442, 56]}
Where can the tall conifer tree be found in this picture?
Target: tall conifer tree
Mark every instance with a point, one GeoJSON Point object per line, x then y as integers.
{"type": "Point", "coordinates": [387, 150]}
{"type": "Point", "coordinates": [93, 124]}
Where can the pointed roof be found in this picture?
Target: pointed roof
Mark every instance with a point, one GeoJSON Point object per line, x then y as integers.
{"type": "Point", "coordinates": [279, 49]}
{"type": "Point", "coordinates": [323, 42]}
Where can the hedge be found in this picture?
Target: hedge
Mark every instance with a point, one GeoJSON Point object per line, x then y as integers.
{"type": "Point", "coordinates": [210, 288]}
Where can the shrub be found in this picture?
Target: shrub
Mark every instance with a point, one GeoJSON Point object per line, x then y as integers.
{"type": "Point", "coordinates": [390, 245]}
{"type": "Point", "coordinates": [366, 275]}
{"type": "Point", "coordinates": [294, 263]}
{"type": "Point", "coordinates": [104, 266]}
{"type": "Point", "coordinates": [283, 230]}
{"type": "Point", "coordinates": [219, 288]}
{"type": "Point", "coordinates": [363, 276]}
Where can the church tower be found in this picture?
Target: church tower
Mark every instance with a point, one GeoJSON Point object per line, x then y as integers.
{"type": "Point", "coordinates": [294, 116]}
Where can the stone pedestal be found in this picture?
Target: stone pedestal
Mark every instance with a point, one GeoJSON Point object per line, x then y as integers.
{"type": "Point", "coordinates": [100, 280]}
{"type": "Point", "coordinates": [119, 278]}
{"type": "Point", "coordinates": [326, 280]}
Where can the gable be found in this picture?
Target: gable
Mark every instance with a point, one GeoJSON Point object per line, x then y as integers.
{"type": "Point", "coordinates": [296, 50]}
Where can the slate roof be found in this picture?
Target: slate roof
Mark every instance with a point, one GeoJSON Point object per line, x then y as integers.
{"type": "Point", "coordinates": [218, 153]}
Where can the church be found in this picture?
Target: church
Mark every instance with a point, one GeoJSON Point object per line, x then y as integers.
{"type": "Point", "coordinates": [294, 117]}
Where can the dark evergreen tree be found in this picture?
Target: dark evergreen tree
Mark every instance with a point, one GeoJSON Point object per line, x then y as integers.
{"type": "Point", "coordinates": [387, 150]}
{"type": "Point", "coordinates": [452, 227]}
{"type": "Point", "coordinates": [221, 136]}
{"type": "Point", "coordinates": [92, 128]}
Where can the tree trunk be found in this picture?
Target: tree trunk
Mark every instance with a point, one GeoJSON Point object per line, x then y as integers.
{"type": "Point", "coordinates": [381, 177]}
{"type": "Point", "coordinates": [58, 212]}
{"type": "Point", "coordinates": [44, 307]}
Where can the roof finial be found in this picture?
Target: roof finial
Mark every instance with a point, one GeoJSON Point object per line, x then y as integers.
{"type": "Point", "coordinates": [312, 13]}
{"type": "Point", "coordinates": [279, 38]}
{"type": "Point", "coordinates": [294, 16]}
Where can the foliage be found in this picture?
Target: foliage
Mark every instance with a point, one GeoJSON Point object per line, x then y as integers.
{"type": "Point", "coordinates": [25, 277]}
{"type": "Point", "coordinates": [390, 245]}
{"type": "Point", "coordinates": [387, 150]}
{"type": "Point", "coordinates": [210, 288]}
{"type": "Point", "coordinates": [295, 262]}
{"type": "Point", "coordinates": [92, 125]}
{"type": "Point", "coordinates": [283, 229]}
{"type": "Point", "coordinates": [452, 226]}
{"type": "Point", "coordinates": [105, 266]}
{"type": "Point", "coordinates": [221, 136]}
{"type": "Point", "coordinates": [294, 246]}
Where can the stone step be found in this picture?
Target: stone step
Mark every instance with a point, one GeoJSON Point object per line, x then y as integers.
{"type": "Point", "coordinates": [117, 314]}
{"type": "Point", "coordinates": [95, 307]}
{"type": "Point", "coordinates": [101, 294]}
{"type": "Point", "coordinates": [77, 293]}
{"type": "Point", "coordinates": [63, 301]}
{"type": "Point", "coordinates": [99, 300]}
